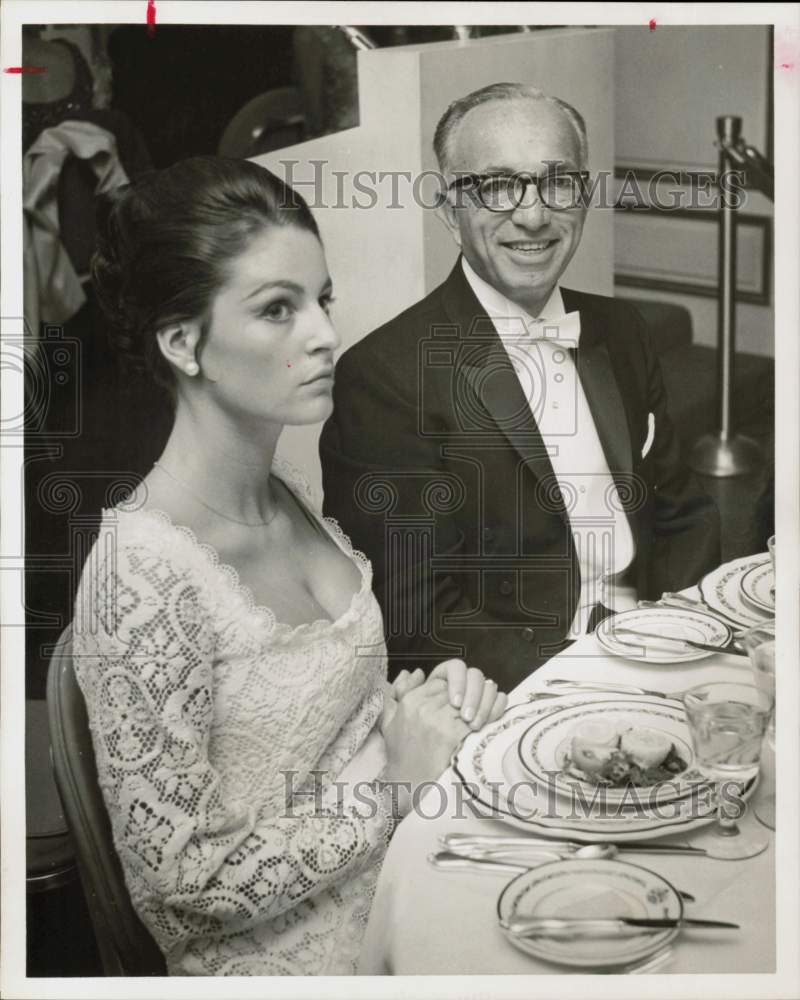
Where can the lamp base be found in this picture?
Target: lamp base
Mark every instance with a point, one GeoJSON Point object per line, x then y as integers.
{"type": "Point", "coordinates": [714, 456]}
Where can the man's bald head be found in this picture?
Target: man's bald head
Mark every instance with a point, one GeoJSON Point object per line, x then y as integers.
{"type": "Point", "coordinates": [449, 122]}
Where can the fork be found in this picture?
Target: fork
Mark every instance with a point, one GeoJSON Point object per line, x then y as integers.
{"type": "Point", "coordinates": [562, 683]}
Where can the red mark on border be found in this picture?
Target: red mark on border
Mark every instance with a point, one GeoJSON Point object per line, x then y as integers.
{"type": "Point", "coordinates": [787, 65]}
{"type": "Point", "coordinates": [652, 24]}
{"type": "Point", "coordinates": [25, 69]}
{"type": "Point", "coordinates": [151, 18]}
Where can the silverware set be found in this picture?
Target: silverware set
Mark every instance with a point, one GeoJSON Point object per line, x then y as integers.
{"type": "Point", "coordinates": [496, 854]}
{"type": "Point", "coordinates": [488, 843]}
{"type": "Point", "coordinates": [562, 685]}
{"type": "Point", "coordinates": [512, 855]}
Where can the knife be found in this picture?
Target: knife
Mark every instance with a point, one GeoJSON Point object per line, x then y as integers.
{"type": "Point", "coordinates": [673, 638]}
{"type": "Point", "coordinates": [569, 926]}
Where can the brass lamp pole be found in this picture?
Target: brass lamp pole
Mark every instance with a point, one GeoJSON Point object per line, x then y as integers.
{"type": "Point", "coordinates": [723, 453]}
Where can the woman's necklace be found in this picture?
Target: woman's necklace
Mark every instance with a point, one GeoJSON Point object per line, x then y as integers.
{"type": "Point", "coordinates": [227, 517]}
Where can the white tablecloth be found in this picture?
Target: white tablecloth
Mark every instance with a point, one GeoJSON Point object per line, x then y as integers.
{"type": "Point", "coordinates": [431, 922]}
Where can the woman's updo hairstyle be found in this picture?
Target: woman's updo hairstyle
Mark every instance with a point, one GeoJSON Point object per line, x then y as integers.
{"type": "Point", "coordinates": [164, 242]}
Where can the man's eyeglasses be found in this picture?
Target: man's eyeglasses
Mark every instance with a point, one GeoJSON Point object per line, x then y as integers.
{"type": "Point", "coordinates": [558, 191]}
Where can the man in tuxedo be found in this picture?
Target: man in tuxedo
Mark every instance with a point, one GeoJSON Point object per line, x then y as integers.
{"type": "Point", "coordinates": [502, 450]}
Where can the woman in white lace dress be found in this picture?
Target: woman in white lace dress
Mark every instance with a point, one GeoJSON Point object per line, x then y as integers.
{"type": "Point", "coordinates": [226, 638]}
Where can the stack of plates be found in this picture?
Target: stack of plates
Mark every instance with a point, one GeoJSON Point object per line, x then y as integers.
{"type": "Point", "coordinates": [742, 590]}
{"type": "Point", "coordinates": [513, 770]}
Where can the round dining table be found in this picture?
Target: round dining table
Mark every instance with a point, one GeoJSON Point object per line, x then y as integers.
{"type": "Point", "coordinates": [426, 921]}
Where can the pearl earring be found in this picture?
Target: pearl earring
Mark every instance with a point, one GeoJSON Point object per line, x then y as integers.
{"type": "Point", "coordinates": [192, 368]}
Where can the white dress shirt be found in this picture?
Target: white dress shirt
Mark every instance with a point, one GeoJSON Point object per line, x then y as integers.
{"type": "Point", "coordinates": [539, 351]}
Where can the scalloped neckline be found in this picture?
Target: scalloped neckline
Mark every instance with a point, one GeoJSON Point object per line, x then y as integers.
{"type": "Point", "coordinates": [231, 575]}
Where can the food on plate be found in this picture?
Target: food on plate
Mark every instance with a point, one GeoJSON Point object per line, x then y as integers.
{"type": "Point", "coordinates": [592, 745]}
{"type": "Point", "coordinates": [617, 756]}
{"type": "Point", "coordinates": [647, 747]}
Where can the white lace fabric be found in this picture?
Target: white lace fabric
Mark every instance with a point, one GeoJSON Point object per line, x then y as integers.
{"type": "Point", "coordinates": [209, 719]}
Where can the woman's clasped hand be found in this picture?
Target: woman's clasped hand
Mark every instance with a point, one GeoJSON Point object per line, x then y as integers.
{"type": "Point", "coordinates": [426, 719]}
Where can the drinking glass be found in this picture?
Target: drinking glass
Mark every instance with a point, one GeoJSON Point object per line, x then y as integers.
{"type": "Point", "coordinates": [759, 642]}
{"type": "Point", "coordinates": [727, 722]}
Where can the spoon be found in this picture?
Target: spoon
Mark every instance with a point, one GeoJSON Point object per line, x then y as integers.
{"type": "Point", "coordinates": [596, 851]}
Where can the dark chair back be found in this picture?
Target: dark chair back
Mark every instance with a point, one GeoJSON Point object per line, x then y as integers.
{"type": "Point", "coordinates": [125, 945]}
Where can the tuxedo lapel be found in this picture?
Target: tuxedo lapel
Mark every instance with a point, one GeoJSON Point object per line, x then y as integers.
{"type": "Point", "coordinates": [492, 384]}
{"type": "Point", "coordinates": [605, 402]}
{"type": "Point", "coordinates": [489, 377]}
{"type": "Point", "coordinates": [601, 387]}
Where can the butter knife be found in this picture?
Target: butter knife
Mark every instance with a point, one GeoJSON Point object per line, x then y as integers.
{"type": "Point", "coordinates": [730, 649]}
{"type": "Point", "coordinates": [570, 926]}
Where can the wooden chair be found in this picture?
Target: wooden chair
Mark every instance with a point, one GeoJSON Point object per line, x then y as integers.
{"type": "Point", "coordinates": [126, 947]}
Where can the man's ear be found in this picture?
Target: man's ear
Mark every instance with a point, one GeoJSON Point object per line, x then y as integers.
{"type": "Point", "coordinates": [178, 343]}
{"type": "Point", "coordinates": [447, 213]}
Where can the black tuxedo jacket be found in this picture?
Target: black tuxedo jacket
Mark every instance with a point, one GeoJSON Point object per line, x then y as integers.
{"type": "Point", "coordinates": [433, 464]}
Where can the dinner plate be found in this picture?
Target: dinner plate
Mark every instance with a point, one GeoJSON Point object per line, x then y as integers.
{"type": "Point", "coordinates": [721, 591]}
{"type": "Point", "coordinates": [545, 747]}
{"type": "Point", "coordinates": [757, 586]}
{"type": "Point", "coordinates": [681, 623]}
{"type": "Point", "coordinates": [495, 785]}
{"type": "Point", "coordinates": [582, 888]}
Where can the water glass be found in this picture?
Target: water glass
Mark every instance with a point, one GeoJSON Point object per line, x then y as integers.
{"type": "Point", "coordinates": [759, 642]}
{"type": "Point", "coordinates": [727, 722]}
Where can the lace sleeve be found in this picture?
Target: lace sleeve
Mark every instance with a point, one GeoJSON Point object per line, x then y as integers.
{"type": "Point", "coordinates": [145, 659]}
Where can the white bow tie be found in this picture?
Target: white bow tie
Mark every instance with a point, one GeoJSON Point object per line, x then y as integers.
{"type": "Point", "coordinates": [567, 327]}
